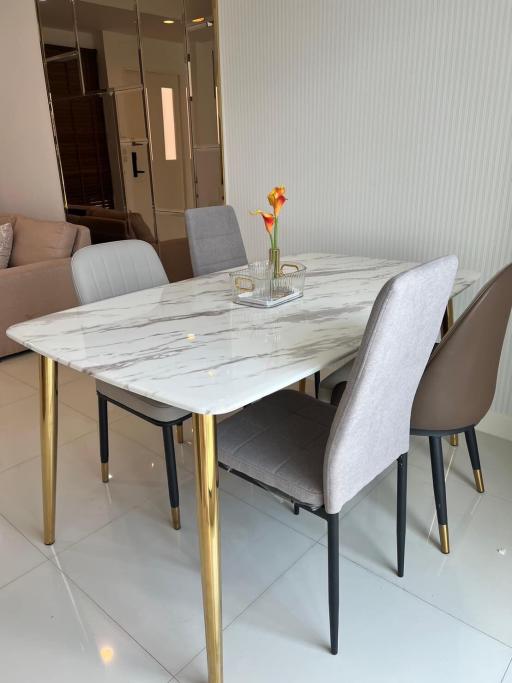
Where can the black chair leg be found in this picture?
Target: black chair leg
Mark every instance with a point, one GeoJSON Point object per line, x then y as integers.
{"type": "Point", "coordinates": [436, 459]}
{"type": "Point", "coordinates": [333, 551]}
{"type": "Point", "coordinates": [103, 429]}
{"type": "Point", "coordinates": [317, 383]}
{"type": "Point", "coordinates": [296, 509]}
{"type": "Point", "coordinates": [475, 458]}
{"type": "Point", "coordinates": [401, 511]}
{"type": "Point", "coordinates": [172, 476]}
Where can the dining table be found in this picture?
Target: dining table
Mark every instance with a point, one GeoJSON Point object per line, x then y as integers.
{"type": "Point", "coordinates": [187, 344]}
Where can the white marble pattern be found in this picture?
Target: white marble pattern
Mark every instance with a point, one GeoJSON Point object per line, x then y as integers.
{"type": "Point", "coordinates": [188, 345]}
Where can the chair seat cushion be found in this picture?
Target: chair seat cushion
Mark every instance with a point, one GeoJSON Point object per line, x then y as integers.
{"type": "Point", "coordinates": [140, 404]}
{"type": "Point", "coordinates": [280, 441]}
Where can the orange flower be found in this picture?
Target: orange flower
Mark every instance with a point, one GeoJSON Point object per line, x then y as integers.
{"type": "Point", "coordinates": [278, 205]}
{"type": "Point", "coordinates": [268, 219]}
{"type": "Point", "coordinates": [275, 195]}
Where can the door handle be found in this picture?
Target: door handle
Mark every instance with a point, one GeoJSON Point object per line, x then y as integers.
{"type": "Point", "coordinates": [135, 170]}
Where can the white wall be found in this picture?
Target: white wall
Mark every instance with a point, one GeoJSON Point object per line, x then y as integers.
{"type": "Point", "coordinates": [29, 179]}
{"type": "Point", "coordinates": [389, 122]}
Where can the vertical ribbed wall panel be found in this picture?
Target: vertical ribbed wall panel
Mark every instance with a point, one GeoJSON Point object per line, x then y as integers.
{"type": "Point", "coordinates": [390, 123]}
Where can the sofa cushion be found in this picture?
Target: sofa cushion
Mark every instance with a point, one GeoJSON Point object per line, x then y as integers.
{"type": "Point", "coordinates": [5, 244]}
{"type": "Point", "coordinates": [36, 240]}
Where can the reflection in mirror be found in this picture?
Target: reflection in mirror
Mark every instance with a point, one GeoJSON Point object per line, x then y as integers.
{"type": "Point", "coordinates": [57, 24]}
{"type": "Point", "coordinates": [204, 109]}
{"type": "Point", "coordinates": [197, 11]}
{"type": "Point", "coordinates": [202, 71]}
{"type": "Point", "coordinates": [84, 155]}
{"type": "Point", "coordinates": [136, 148]}
{"type": "Point", "coordinates": [134, 154]}
{"type": "Point", "coordinates": [59, 42]}
{"type": "Point", "coordinates": [112, 26]}
{"type": "Point", "coordinates": [165, 80]}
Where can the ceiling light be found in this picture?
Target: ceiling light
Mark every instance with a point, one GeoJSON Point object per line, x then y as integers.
{"type": "Point", "coordinates": [197, 20]}
{"type": "Point", "coordinates": [168, 21]}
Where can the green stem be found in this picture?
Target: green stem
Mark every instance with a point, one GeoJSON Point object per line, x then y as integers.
{"type": "Point", "coordinates": [276, 232]}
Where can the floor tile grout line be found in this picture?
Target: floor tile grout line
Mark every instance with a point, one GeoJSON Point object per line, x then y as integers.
{"type": "Point", "coordinates": [103, 526]}
{"type": "Point", "coordinates": [17, 379]}
{"type": "Point", "coordinates": [260, 595]}
{"type": "Point", "coordinates": [44, 560]}
{"type": "Point", "coordinates": [18, 464]}
{"type": "Point", "coordinates": [23, 535]}
{"type": "Point", "coordinates": [35, 389]}
{"type": "Point", "coordinates": [426, 602]}
{"type": "Point", "coordinates": [59, 446]}
{"type": "Point", "coordinates": [110, 617]}
{"type": "Point", "coordinates": [506, 671]}
{"type": "Point", "coordinates": [267, 514]}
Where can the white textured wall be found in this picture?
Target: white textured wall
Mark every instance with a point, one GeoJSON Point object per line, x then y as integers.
{"type": "Point", "coordinates": [29, 177]}
{"type": "Point", "coordinates": [389, 121]}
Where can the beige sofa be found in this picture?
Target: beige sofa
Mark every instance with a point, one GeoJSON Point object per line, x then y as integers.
{"type": "Point", "coordinates": [38, 278]}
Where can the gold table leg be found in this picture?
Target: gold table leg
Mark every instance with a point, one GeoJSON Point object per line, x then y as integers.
{"type": "Point", "coordinates": [448, 321]}
{"type": "Point", "coordinates": [49, 415]}
{"type": "Point", "coordinates": [205, 448]}
{"type": "Point", "coordinates": [302, 386]}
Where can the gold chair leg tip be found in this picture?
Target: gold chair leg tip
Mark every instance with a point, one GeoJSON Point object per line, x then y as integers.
{"type": "Point", "coordinates": [104, 472]}
{"type": "Point", "coordinates": [479, 481]}
{"type": "Point", "coordinates": [444, 538]}
{"type": "Point", "coordinates": [175, 518]}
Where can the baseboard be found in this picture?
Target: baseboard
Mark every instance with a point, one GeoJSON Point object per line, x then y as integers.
{"type": "Point", "coordinates": [497, 425]}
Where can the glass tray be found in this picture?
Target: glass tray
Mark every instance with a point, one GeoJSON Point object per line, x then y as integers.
{"type": "Point", "coordinates": [256, 286]}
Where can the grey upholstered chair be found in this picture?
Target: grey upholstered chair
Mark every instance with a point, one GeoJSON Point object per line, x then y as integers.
{"type": "Point", "coordinates": [319, 456]}
{"type": "Point", "coordinates": [458, 385]}
{"type": "Point", "coordinates": [214, 239]}
{"type": "Point", "coordinates": [107, 270]}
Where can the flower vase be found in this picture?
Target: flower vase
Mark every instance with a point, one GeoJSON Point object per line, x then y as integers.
{"type": "Point", "coordinates": [274, 258]}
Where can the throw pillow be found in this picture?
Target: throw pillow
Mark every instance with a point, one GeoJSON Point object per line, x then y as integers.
{"type": "Point", "coordinates": [5, 244]}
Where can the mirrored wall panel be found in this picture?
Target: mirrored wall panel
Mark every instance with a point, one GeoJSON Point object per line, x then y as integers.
{"type": "Point", "coordinates": [133, 93]}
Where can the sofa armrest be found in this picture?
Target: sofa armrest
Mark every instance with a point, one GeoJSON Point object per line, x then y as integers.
{"type": "Point", "coordinates": [31, 291]}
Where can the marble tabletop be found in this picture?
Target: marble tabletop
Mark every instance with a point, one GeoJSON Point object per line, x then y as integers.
{"type": "Point", "coordinates": [188, 345]}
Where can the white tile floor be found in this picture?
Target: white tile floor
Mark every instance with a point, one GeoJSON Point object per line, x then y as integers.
{"type": "Point", "coordinates": [118, 597]}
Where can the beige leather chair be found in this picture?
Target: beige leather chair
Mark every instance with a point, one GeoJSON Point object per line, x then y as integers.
{"type": "Point", "coordinates": [38, 279]}
{"type": "Point", "coordinates": [459, 382]}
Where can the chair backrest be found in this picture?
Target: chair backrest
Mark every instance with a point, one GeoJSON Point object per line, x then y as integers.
{"type": "Point", "coordinates": [459, 382]}
{"type": "Point", "coordinates": [371, 426]}
{"type": "Point", "coordinates": [214, 239]}
{"type": "Point", "coordinates": [114, 268]}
